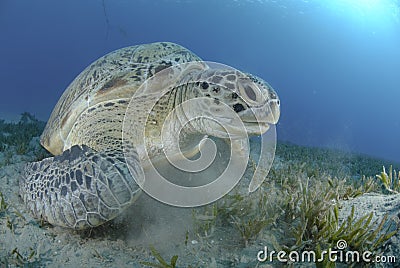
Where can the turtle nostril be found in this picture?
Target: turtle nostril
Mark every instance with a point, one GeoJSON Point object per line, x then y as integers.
{"type": "Point", "coordinates": [278, 102]}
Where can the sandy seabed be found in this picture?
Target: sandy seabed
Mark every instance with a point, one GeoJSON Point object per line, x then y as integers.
{"type": "Point", "coordinates": [126, 241]}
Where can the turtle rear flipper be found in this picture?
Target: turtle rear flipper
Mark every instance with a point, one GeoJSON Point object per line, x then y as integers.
{"type": "Point", "coordinates": [80, 188]}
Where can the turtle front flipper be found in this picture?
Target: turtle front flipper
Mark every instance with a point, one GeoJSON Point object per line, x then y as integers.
{"type": "Point", "coordinates": [80, 188]}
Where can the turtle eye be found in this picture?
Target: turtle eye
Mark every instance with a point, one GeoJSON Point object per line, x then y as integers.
{"type": "Point", "coordinates": [250, 93]}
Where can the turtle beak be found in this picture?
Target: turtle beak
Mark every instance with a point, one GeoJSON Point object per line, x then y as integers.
{"type": "Point", "coordinates": [266, 114]}
{"type": "Point", "coordinates": [275, 111]}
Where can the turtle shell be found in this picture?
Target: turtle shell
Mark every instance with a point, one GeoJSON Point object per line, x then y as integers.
{"type": "Point", "coordinates": [105, 87]}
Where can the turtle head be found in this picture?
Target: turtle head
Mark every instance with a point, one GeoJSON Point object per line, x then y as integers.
{"type": "Point", "coordinates": [241, 101]}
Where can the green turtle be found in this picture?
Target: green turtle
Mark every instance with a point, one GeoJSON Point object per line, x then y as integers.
{"type": "Point", "coordinates": [88, 181]}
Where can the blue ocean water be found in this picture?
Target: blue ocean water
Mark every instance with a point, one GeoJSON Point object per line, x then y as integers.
{"type": "Point", "coordinates": [335, 64]}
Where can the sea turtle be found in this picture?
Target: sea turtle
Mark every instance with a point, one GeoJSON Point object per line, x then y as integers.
{"type": "Point", "coordinates": [87, 182]}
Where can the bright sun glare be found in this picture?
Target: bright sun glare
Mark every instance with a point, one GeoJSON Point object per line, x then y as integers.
{"type": "Point", "coordinates": [381, 13]}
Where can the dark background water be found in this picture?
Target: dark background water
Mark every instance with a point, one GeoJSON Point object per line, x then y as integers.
{"type": "Point", "coordinates": [335, 64]}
